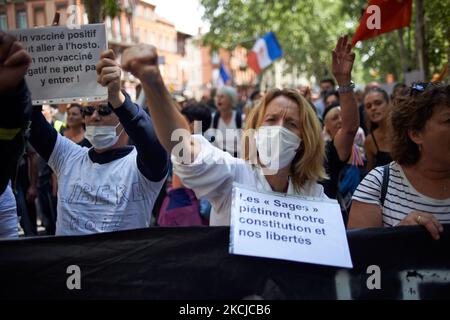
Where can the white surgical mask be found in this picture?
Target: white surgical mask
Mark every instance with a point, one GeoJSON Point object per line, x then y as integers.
{"type": "Point", "coordinates": [277, 146]}
{"type": "Point", "coordinates": [102, 137]}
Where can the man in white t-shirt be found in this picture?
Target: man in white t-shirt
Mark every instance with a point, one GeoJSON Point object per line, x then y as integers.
{"type": "Point", "coordinates": [111, 186]}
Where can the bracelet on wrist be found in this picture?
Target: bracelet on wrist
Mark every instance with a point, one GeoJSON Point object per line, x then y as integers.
{"type": "Point", "coordinates": [347, 88]}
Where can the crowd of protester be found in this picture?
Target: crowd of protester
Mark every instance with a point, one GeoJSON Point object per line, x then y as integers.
{"type": "Point", "coordinates": [115, 165]}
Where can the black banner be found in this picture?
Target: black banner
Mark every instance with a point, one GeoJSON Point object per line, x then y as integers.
{"type": "Point", "coordinates": [194, 263]}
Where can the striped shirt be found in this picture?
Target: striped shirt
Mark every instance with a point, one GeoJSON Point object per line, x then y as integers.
{"type": "Point", "coordinates": [401, 197]}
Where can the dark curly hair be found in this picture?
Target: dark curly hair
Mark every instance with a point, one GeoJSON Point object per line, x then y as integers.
{"type": "Point", "coordinates": [410, 113]}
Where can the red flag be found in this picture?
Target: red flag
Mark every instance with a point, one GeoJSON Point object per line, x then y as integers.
{"type": "Point", "coordinates": [382, 16]}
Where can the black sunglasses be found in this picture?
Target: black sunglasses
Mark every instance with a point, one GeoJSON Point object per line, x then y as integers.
{"type": "Point", "coordinates": [103, 110]}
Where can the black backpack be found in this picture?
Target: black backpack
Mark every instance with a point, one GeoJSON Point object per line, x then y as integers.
{"type": "Point", "coordinates": [385, 183]}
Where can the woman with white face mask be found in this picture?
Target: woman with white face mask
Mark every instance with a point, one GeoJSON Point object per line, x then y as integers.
{"type": "Point", "coordinates": [283, 148]}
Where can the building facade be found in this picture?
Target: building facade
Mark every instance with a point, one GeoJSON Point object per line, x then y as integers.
{"type": "Point", "coordinates": [186, 66]}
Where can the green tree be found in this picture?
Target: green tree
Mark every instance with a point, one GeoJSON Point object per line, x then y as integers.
{"type": "Point", "coordinates": [437, 30]}
{"type": "Point", "coordinates": [384, 54]}
{"type": "Point", "coordinates": [306, 29]}
{"type": "Point", "coordinates": [97, 10]}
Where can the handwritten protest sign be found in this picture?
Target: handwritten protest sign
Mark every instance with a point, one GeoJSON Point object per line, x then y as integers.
{"type": "Point", "coordinates": [288, 228]}
{"type": "Point", "coordinates": [63, 63]}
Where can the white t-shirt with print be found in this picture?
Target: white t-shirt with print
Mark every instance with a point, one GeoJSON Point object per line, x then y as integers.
{"type": "Point", "coordinates": [95, 197]}
{"type": "Point", "coordinates": [213, 172]}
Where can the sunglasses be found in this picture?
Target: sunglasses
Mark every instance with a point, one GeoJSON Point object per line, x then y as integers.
{"type": "Point", "coordinates": [103, 110]}
{"type": "Point", "coordinates": [419, 87]}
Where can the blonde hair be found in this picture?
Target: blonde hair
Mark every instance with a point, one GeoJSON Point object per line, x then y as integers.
{"type": "Point", "coordinates": [308, 163]}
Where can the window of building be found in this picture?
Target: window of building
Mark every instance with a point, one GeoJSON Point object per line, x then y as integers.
{"type": "Point", "coordinates": [175, 46]}
{"type": "Point", "coordinates": [39, 17]}
{"type": "Point", "coordinates": [108, 27]}
{"type": "Point", "coordinates": [62, 9]}
{"type": "Point", "coordinates": [21, 19]}
{"type": "Point", "coordinates": [160, 42]}
{"type": "Point", "coordinates": [117, 31]}
{"type": "Point", "coordinates": [128, 29]}
{"type": "Point", "coordinates": [137, 34]}
{"type": "Point", "coordinates": [153, 39]}
{"type": "Point", "coordinates": [215, 59]}
{"type": "Point", "coordinates": [3, 22]}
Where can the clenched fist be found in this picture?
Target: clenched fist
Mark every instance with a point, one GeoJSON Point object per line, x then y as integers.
{"type": "Point", "coordinates": [14, 62]}
{"type": "Point", "coordinates": [142, 62]}
{"type": "Point", "coordinates": [108, 75]}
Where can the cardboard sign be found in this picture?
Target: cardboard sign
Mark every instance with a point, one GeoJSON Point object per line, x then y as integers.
{"type": "Point", "coordinates": [63, 63]}
{"type": "Point", "coordinates": [284, 227]}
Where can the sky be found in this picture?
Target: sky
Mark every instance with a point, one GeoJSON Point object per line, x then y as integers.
{"type": "Point", "coordinates": [185, 14]}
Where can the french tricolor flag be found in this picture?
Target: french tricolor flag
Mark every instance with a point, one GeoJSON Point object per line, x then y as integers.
{"type": "Point", "coordinates": [264, 52]}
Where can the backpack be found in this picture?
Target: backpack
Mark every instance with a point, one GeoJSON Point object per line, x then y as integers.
{"type": "Point", "coordinates": [349, 179]}
{"type": "Point", "coordinates": [180, 208]}
{"type": "Point", "coordinates": [351, 174]}
{"type": "Point", "coordinates": [384, 184]}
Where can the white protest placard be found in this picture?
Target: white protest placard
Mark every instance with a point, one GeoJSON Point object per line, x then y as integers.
{"type": "Point", "coordinates": [63, 63]}
{"type": "Point", "coordinates": [288, 227]}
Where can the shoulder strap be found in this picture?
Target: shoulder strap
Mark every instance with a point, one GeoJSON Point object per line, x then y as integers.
{"type": "Point", "coordinates": [384, 186]}
{"type": "Point", "coordinates": [216, 120]}
{"type": "Point", "coordinates": [238, 119]}
{"type": "Point", "coordinates": [374, 140]}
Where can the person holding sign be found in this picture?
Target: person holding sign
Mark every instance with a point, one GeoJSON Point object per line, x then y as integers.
{"type": "Point", "coordinates": [284, 151]}
{"type": "Point", "coordinates": [110, 186]}
{"type": "Point", "coordinates": [16, 111]}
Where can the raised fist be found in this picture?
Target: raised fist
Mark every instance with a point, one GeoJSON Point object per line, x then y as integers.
{"type": "Point", "coordinates": [14, 62]}
{"type": "Point", "coordinates": [142, 62]}
{"type": "Point", "coordinates": [108, 73]}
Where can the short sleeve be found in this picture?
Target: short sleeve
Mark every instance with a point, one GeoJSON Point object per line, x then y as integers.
{"type": "Point", "coordinates": [369, 190]}
{"type": "Point", "coordinates": [65, 151]}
